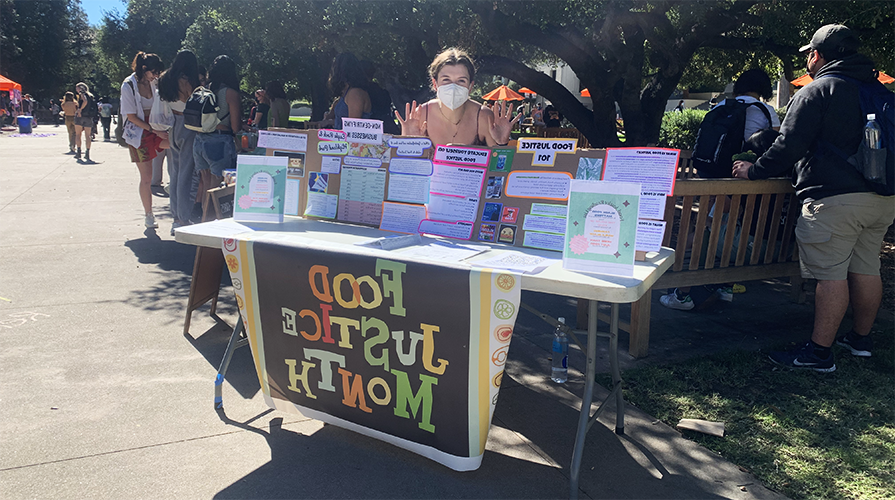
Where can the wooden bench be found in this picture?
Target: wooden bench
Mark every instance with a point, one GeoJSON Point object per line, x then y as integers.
{"type": "Point", "coordinates": [762, 250]}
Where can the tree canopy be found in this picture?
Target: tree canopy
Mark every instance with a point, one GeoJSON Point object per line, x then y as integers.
{"type": "Point", "coordinates": [631, 52]}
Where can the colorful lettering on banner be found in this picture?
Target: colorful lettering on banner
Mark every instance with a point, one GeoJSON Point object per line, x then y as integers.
{"type": "Point", "coordinates": [367, 344]}
{"type": "Point", "coordinates": [545, 150]}
{"type": "Point", "coordinates": [462, 155]}
{"type": "Point", "coordinates": [362, 131]}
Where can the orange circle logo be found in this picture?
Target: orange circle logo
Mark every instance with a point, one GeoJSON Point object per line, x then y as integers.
{"type": "Point", "coordinates": [506, 282]}
{"type": "Point", "coordinates": [497, 379]}
{"type": "Point", "coordinates": [503, 333]}
{"type": "Point", "coordinates": [239, 302]}
{"type": "Point", "coordinates": [499, 357]}
{"type": "Point", "coordinates": [232, 263]}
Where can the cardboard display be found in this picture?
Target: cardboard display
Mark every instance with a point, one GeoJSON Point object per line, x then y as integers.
{"type": "Point", "coordinates": [522, 201]}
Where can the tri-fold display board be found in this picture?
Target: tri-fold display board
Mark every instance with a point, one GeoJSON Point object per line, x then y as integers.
{"type": "Point", "coordinates": [515, 195]}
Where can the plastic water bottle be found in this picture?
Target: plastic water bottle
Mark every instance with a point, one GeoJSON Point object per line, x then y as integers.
{"type": "Point", "coordinates": [559, 373]}
{"type": "Point", "coordinates": [874, 170]}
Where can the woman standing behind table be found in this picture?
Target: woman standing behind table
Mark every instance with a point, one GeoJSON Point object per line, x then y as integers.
{"type": "Point", "coordinates": [137, 95]}
{"type": "Point", "coordinates": [84, 114]}
{"type": "Point", "coordinates": [69, 107]}
{"type": "Point", "coordinates": [346, 80]}
{"type": "Point", "coordinates": [452, 118]}
{"type": "Point", "coordinates": [215, 152]}
{"type": "Point", "coordinates": [174, 89]}
{"type": "Point", "coordinates": [278, 116]}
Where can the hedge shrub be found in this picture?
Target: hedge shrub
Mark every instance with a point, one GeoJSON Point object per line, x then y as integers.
{"type": "Point", "coordinates": [679, 129]}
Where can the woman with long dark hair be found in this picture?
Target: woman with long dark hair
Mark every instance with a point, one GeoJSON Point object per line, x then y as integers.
{"type": "Point", "coordinates": [278, 116]}
{"type": "Point", "coordinates": [137, 94]}
{"type": "Point", "coordinates": [215, 152]}
{"type": "Point", "coordinates": [348, 81]}
{"type": "Point", "coordinates": [174, 89]}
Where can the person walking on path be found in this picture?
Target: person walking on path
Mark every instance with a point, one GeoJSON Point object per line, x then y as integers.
{"type": "Point", "coordinates": [843, 220]}
{"type": "Point", "coordinates": [137, 94]}
{"type": "Point", "coordinates": [70, 108]}
{"type": "Point", "coordinates": [84, 119]}
{"type": "Point", "coordinates": [105, 115]}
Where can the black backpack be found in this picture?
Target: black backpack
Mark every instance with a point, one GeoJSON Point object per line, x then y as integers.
{"type": "Point", "coordinates": [200, 113]}
{"type": "Point", "coordinates": [89, 110]}
{"type": "Point", "coordinates": [720, 136]}
{"type": "Point", "coordinates": [878, 100]}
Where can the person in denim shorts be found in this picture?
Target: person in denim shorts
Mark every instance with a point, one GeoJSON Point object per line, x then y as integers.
{"type": "Point", "coordinates": [843, 219]}
{"type": "Point", "coordinates": [216, 151]}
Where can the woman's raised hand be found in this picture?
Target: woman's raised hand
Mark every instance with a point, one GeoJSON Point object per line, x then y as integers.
{"type": "Point", "coordinates": [414, 124]}
{"type": "Point", "coordinates": [503, 124]}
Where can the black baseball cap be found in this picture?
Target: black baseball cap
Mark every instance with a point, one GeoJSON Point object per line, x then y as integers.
{"type": "Point", "coordinates": [833, 41]}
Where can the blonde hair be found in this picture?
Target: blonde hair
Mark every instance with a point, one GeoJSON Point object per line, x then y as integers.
{"type": "Point", "coordinates": [452, 56]}
{"type": "Point", "coordinates": [84, 86]}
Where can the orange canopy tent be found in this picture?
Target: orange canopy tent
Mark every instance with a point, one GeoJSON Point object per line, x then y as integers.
{"type": "Point", "coordinates": [6, 85]}
{"type": "Point", "coordinates": [526, 90]}
{"type": "Point", "coordinates": [503, 93]}
{"type": "Point", "coordinates": [806, 79]}
{"type": "Point", "coordinates": [585, 93]}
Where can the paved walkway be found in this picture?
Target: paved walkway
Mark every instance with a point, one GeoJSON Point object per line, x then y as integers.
{"type": "Point", "coordinates": [102, 397]}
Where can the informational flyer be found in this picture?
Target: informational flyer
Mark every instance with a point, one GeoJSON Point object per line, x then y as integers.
{"type": "Point", "coordinates": [654, 168]}
{"type": "Point", "coordinates": [402, 217]}
{"type": "Point", "coordinates": [361, 193]}
{"type": "Point", "coordinates": [545, 241]}
{"type": "Point", "coordinates": [601, 229]}
{"type": "Point", "coordinates": [462, 155]}
{"type": "Point", "coordinates": [260, 193]}
{"type": "Point", "coordinates": [452, 180]}
{"type": "Point", "coordinates": [331, 164]}
{"type": "Point", "coordinates": [408, 188]}
{"type": "Point", "coordinates": [501, 159]}
{"type": "Point", "coordinates": [452, 208]}
{"type": "Point", "coordinates": [412, 166]}
{"type": "Point", "coordinates": [650, 234]}
{"type": "Point", "coordinates": [457, 230]}
{"type": "Point", "coordinates": [282, 140]}
{"type": "Point", "coordinates": [322, 205]}
{"type": "Point", "coordinates": [538, 184]}
{"type": "Point", "coordinates": [555, 225]}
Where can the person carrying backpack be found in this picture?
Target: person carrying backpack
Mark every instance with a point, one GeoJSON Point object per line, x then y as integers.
{"type": "Point", "coordinates": [844, 216]}
{"type": "Point", "coordinates": [724, 132]}
{"type": "Point", "coordinates": [217, 109]}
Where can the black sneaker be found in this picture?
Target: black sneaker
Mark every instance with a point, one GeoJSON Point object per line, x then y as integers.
{"type": "Point", "coordinates": [859, 345]}
{"type": "Point", "coordinates": [803, 357]}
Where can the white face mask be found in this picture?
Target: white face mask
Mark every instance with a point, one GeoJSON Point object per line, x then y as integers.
{"type": "Point", "coordinates": [452, 95]}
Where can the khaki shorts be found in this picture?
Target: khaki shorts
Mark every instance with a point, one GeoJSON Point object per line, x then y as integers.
{"type": "Point", "coordinates": [843, 234]}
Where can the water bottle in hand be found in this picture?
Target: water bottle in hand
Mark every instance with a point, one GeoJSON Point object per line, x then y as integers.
{"type": "Point", "coordinates": [559, 373]}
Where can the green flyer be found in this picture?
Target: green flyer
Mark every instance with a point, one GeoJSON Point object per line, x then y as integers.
{"type": "Point", "coordinates": [260, 194]}
{"type": "Point", "coordinates": [601, 227]}
{"type": "Point", "coordinates": [501, 159]}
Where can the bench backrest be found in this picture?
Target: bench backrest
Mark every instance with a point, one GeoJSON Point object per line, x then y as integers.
{"type": "Point", "coordinates": [766, 211]}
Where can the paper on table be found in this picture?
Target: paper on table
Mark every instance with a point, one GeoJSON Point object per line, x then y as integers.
{"type": "Point", "coordinates": [442, 251]}
{"type": "Point", "coordinates": [649, 235]}
{"type": "Point", "coordinates": [516, 261]}
{"type": "Point", "coordinates": [401, 217]}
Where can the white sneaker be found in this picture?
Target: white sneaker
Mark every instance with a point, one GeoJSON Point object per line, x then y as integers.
{"type": "Point", "coordinates": [672, 301]}
{"type": "Point", "coordinates": [149, 220]}
{"type": "Point", "coordinates": [725, 294]}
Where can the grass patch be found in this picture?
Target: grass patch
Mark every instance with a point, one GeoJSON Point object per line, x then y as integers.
{"type": "Point", "coordinates": [299, 118]}
{"type": "Point", "coordinates": [804, 434]}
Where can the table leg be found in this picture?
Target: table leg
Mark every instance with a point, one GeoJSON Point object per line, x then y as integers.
{"type": "Point", "coordinates": [616, 376]}
{"type": "Point", "coordinates": [587, 397]}
{"type": "Point", "coordinates": [237, 340]}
